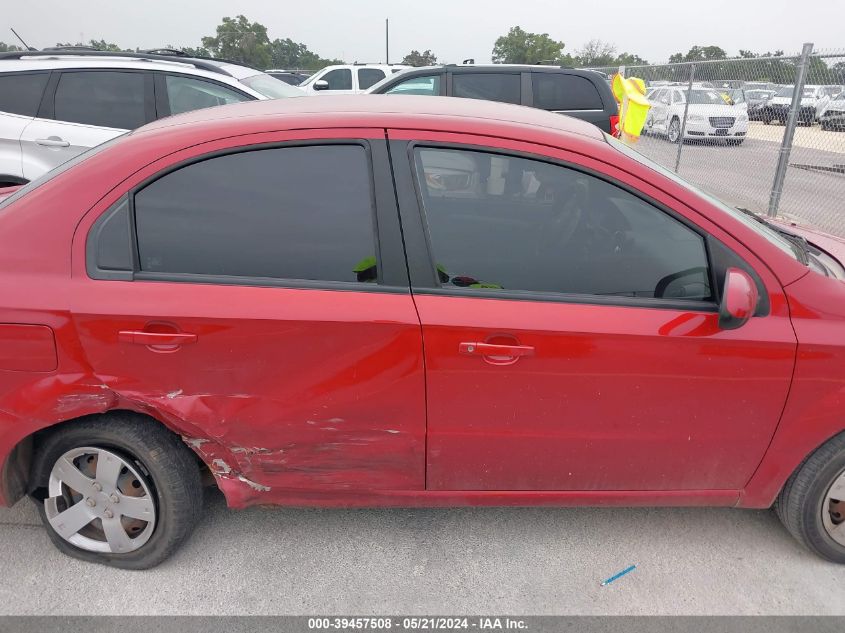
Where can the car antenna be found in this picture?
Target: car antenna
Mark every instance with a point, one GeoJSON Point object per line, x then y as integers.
{"type": "Point", "coordinates": [25, 45]}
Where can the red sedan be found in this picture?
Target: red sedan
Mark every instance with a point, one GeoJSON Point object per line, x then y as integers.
{"type": "Point", "coordinates": [405, 301]}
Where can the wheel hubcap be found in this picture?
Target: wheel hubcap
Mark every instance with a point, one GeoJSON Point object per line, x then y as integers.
{"type": "Point", "coordinates": [833, 509]}
{"type": "Point", "coordinates": [674, 130]}
{"type": "Point", "coordinates": [100, 501]}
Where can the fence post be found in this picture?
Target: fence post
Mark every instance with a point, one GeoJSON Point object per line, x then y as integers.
{"type": "Point", "coordinates": [684, 122]}
{"type": "Point", "coordinates": [789, 134]}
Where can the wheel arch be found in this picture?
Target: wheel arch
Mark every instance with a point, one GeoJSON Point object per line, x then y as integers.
{"type": "Point", "coordinates": [21, 469]}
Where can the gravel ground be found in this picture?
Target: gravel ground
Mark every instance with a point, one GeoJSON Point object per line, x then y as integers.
{"type": "Point", "coordinates": [471, 561]}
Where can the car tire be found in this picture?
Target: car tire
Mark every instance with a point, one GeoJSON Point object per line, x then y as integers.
{"type": "Point", "coordinates": [674, 130]}
{"type": "Point", "coordinates": [812, 502]}
{"type": "Point", "coordinates": [144, 465]}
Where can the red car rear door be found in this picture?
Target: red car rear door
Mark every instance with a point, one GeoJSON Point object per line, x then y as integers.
{"type": "Point", "coordinates": [569, 315]}
{"type": "Point", "coordinates": [257, 297]}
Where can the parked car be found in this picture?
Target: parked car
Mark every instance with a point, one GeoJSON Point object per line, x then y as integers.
{"type": "Point", "coordinates": [290, 77]}
{"type": "Point", "coordinates": [204, 300]}
{"type": "Point", "coordinates": [757, 100]}
{"type": "Point", "coordinates": [55, 104]}
{"type": "Point", "coordinates": [348, 78]}
{"type": "Point", "coordinates": [584, 94]}
{"type": "Point", "coordinates": [814, 100]}
{"type": "Point", "coordinates": [709, 116]}
{"type": "Point", "coordinates": [833, 117]}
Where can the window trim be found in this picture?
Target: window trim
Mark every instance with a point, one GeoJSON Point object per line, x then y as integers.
{"type": "Point", "coordinates": [47, 109]}
{"type": "Point", "coordinates": [430, 284]}
{"type": "Point", "coordinates": [393, 279]}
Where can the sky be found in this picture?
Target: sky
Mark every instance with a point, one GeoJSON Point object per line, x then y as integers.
{"type": "Point", "coordinates": [453, 29]}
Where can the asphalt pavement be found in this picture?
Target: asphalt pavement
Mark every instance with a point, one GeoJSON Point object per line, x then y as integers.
{"type": "Point", "coordinates": [521, 561]}
{"type": "Point", "coordinates": [743, 175]}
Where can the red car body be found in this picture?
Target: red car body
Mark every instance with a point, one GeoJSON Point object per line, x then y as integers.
{"type": "Point", "coordinates": [313, 396]}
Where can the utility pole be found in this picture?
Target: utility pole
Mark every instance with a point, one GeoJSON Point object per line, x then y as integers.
{"type": "Point", "coordinates": [386, 40]}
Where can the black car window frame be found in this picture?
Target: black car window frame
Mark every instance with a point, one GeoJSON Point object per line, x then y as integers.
{"type": "Point", "coordinates": [426, 281]}
{"type": "Point", "coordinates": [392, 275]}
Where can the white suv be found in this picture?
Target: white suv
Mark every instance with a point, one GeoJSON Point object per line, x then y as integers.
{"type": "Point", "coordinates": [347, 80]}
{"type": "Point", "coordinates": [56, 104]}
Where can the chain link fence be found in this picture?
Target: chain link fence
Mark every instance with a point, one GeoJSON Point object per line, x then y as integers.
{"type": "Point", "coordinates": [764, 133]}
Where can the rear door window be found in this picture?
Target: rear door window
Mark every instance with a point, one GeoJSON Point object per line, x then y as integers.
{"type": "Point", "coordinates": [102, 98]}
{"type": "Point", "coordinates": [488, 86]}
{"type": "Point", "coordinates": [559, 91]}
{"type": "Point", "coordinates": [369, 77]}
{"type": "Point", "coordinates": [304, 213]}
{"type": "Point", "coordinates": [21, 93]}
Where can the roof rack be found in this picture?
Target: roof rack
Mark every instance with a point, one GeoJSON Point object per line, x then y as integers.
{"type": "Point", "coordinates": [201, 64]}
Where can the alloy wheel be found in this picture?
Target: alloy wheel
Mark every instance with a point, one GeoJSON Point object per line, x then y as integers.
{"type": "Point", "coordinates": [674, 130]}
{"type": "Point", "coordinates": [100, 501]}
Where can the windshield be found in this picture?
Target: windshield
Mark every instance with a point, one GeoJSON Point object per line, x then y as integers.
{"type": "Point", "coordinates": [710, 97]}
{"type": "Point", "coordinates": [758, 227]}
{"type": "Point", "coordinates": [271, 87]}
{"type": "Point", "coordinates": [47, 177]}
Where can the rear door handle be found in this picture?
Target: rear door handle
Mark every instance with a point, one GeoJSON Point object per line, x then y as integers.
{"type": "Point", "coordinates": [52, 141]}
{"type": "Point", "coordinates": [488, 349]}
{"type": "Point", "coordinates": [139, 337]}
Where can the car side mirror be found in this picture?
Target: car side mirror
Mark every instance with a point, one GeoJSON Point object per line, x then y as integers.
{"type": "Point", "coordinates": [321, 84]}
{"type": "Point", "coordinates": [739, 299]}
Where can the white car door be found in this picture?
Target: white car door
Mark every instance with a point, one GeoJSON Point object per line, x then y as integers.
{"type": "Point", "coordinates": [660, 110]}
{"type": "Point", "coordinates": [20, 96]}
{"type": "Point", "coordinates": [86, 108]}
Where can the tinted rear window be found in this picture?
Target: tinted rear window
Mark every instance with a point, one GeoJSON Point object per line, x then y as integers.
{"type": "Point", "coordinates": [21, 93]}
{"type": "Point", "coordinates": [489, 86]}
{"type": "Point", "coordinates": [288, 213]}
{"type": "Point", "coordinates": [102, 98]}
{"type": "Point", "coordinates": [558, 91]}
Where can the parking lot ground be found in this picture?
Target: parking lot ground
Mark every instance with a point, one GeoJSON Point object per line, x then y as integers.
{"type": "Point", "coordinates": [743, 175]}
{"type": "Point", "coordinates": [440, 561]}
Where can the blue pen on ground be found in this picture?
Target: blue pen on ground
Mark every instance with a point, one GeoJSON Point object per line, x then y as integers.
{"type": "Point", "coordinates": [627, 570]}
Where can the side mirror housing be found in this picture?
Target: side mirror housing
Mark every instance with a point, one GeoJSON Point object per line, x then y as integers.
{"type": "Point", "coordinates": [321, 84]}
{"type": "Point", "coordinates": [739, 299]}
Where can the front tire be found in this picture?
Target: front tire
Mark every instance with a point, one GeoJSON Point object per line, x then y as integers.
{"type": "Point", "coordinates": [117, 489]}
{"type": "Point", "coordinates": [674, 131]}
{"type": "Point", "coordinates": [812, 502]}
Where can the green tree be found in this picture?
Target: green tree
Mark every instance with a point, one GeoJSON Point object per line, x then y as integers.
{"type": "Point", "coordinates": [8, 48]}
{"type": "Point", "coordinates": [521, 47]}
{"type": "Point", "coordinates": [100, 45]}
{"type": "Point", "coordinates": [629, 59]}
{"type": "Point", "coordinates": [415, 58]}
{"type": "Point", "coordinates": [295, 55]}
{"type": "Point", "coordinates": [699, 54]}
{"type": "Point", "coordinates": [242, 41]}
{"type": "Point", "coordinates": [596, 53]}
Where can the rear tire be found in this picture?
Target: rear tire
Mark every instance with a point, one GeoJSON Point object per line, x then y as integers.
{"type": "Point", "coordinates": [812, 502]}
{"type": "Point", "coordinates": [152, 472]}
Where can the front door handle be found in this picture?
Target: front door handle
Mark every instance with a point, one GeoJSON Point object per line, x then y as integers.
{"type": "Point", "coordinates": [52, 141]}
{"type": "Point", "coordinates": [140, 337]}
{"type": "Point", "coordinates": [502, 351]}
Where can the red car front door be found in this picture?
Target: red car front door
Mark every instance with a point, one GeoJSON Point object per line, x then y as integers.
{"type": "Point", "coordinates": [570, 327]}
{"type": "Point", "coordinates": [263, 313]}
